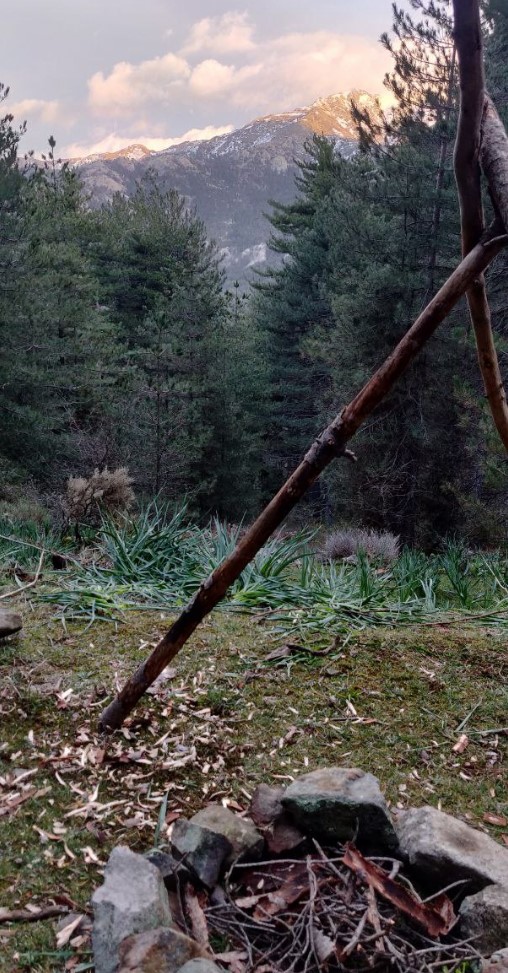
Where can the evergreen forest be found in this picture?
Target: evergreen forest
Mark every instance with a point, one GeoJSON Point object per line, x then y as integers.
{"type": "Point", "coordinates": [122, 347]}
{"type": "Point", "coordinates": [172, 642]}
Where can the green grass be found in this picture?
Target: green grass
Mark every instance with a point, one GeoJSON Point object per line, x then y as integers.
{"type": "Point", "coordinates": [229, 712]}
{"type": "Point", "coordinates": [225, 719]}
{"type": "Point", "coordinates": [157, 562]}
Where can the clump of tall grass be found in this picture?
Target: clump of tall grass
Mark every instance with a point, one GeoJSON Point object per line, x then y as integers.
{"type": "Point", "coordinates": [349, 542]}
{"type": "Point", "coordinates": [24, 533]}
{"type": "Point", "coordinates": [158, 560]}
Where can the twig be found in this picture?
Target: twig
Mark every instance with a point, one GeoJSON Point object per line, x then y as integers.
{"type": "Point", "coordinates": [466, 719]}
{"type": "Point", "coordinates": [25, 587]}
{"type": "Point", "coordinates": [24, 915]}
{"type": "Point", "coordinates": [357, 936]}
{"type": "Point", "coordinates": [374, 919]}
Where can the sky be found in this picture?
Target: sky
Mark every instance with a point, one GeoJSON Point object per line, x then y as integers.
{"type": "Point", "coordinates": [98, 75]}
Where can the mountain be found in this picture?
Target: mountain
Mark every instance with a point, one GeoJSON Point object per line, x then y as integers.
{"type": "Point", "coordinates": [231, 178]}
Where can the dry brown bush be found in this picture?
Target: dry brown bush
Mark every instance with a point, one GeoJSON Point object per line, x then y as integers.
{"type": "Point", "coordinates": [105, 491]}
{"type": "Point", "coordinates": [348, 542]}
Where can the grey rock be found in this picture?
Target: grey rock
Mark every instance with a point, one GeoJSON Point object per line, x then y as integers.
{"type": "Point", "coordinates": [132, 899]}
{"type": "Point", "coordinates": [339, 804]}
{"type": "Point", "coordinates": [266, 805]}
{"type": "Point", "coordinates": [240, 832]}
{"type": "Point", "coordinates": [157, 951]}
{"type": "Point", "coordinates": [497, 963]}
{"type": "Point", "coordinates": [446, 850]}
{"type": "Point", "coordinates": [276, 824]}
{"type": "Point", "coordinates": [173, 871]}
{"type": "Point", "coordinates": [199, 966]}
{"type": "Point", "coordinates": [484, 916]}
{"type": "Point", "coordinates": [10, 623]}
{"type": "Point", "coordinates": [205, 852]}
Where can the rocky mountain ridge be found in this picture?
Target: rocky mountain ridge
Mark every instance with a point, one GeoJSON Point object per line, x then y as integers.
{"type": "Point", "coordinates": [230, 179]}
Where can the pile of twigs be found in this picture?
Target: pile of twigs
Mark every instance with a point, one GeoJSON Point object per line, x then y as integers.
{"type": "Point", "coordinates": [314, 914]}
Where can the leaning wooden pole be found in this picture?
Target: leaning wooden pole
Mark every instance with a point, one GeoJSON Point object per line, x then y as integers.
{"type": "Point", "coordinates": [330, 444]}
{"type": "Point", "coordinates": [473, 116]}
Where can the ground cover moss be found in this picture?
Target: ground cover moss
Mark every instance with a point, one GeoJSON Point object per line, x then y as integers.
{"type": "Point", "coordinates": [390, 701]}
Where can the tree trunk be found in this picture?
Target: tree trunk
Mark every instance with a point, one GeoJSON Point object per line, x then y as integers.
{"type": "Point", "coordinates": [470, 135]}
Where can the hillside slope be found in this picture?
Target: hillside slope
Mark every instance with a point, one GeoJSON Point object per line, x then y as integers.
{"type": "Point", "coordinates": [231, 178]}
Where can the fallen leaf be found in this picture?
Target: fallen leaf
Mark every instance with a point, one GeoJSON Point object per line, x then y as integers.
{"type": "Point", "coordinates": [235, 959]}
{"type": "Point", "coordinates": [65, 934]}
{"type": "Point", "coordinates": [248, 901]}
{"type": "Point", "coordinates": [436, 917]}
{"type": "Point", "coordinates": [497, 819]}
{"type": "Point", "coordinates": [197, 917]}
{"type": "Point", "coordinates": [461, 744]}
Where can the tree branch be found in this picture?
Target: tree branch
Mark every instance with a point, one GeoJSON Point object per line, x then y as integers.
{"type": "Point", "coordinates": [470, 135]}
{"type": "Point", "coordinates": [330, 444]}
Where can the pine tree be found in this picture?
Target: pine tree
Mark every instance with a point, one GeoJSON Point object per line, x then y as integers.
{"type": "Point", "coordinates": [387, 228]}
{"type": "Point", "coordinates": [161, 281]}
{"type": "Point", "coordinates": [291, 305]}
{"type": "Point", "coordinates": [58, 346]}
{"type": "Point", "coordinates": [10, 189]}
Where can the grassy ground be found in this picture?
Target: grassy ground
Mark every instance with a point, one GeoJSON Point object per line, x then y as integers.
{"type": "Point", "coordinates": [392, 701]}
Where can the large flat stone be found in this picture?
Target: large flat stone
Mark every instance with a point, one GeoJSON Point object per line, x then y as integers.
{"type": "Point", "coordinates": [240, 832]}
{"type": "Point", "coordinates": [10, 623]}
{"type": "Point", "coordinates": [132, 899]}
{"type": "Point", "coordinates": [203, 851]}
{"type": "Point", "coordinates": [338, 804]}
{"type": "Point", "coordinates": [157, 951]}
{"type": "Point", "coordinates": [484, 916]}
{"type": "Point", "coordinates": [447, 850]}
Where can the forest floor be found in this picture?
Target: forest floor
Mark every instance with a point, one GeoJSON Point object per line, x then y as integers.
{"type": "Point", "coordinates": [423, 708]}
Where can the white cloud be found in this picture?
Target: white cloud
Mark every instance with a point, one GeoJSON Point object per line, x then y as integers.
{"type": "Point", "coordinates": [233, 32]}
{"type": "Point", "coordinates": [114, 142]}
{"type": "Point", "coordinates": [298, 68]}
{"type": "Point", "coordinates": [210, 78]}
{"type": "Point", "coordinates": [129, 86]}
{"type": "Point", "coordinates": [282, 73]}
{"type": "Point", "coordinates": [46, 111]}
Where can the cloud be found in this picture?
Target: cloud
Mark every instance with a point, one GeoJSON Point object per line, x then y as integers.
{"type": "Point", "coordinates": [300, 67]}
{"type": "Point", "coordinates": [233, 32]}
{"type": "Point", "coordinates": [114, 142]}
{"type": "Point", "coordinates": [130, 86]}
{"type": "Point", "coordinates": [211, 78]}
{"type": "Point", "coordinates": [45, 111]}
{"type": "Point", "coordinates": [284, 72]}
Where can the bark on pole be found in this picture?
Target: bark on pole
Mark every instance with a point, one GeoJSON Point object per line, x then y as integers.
{"type": "Point", "coordinates": [470, 136]}
{"type": "Point", "coordinates": [330, 444]}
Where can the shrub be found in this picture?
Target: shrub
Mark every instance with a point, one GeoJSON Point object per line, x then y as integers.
{"type": "Point", "coordinates": [349, 542]}
{"type": "Point", "coordinates": [105, 491]}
